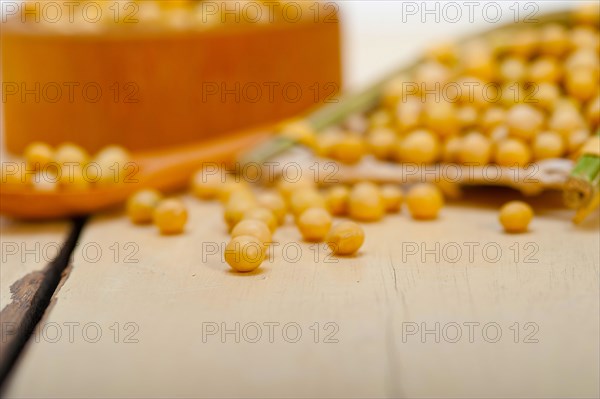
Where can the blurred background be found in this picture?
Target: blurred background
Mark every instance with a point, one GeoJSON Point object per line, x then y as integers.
{"type": "Point", "coordinates": [172, 289]}
{"type": "Point", "coordinates": [380, 36]}
{"type": "Point", "coordinates": [175, 84]}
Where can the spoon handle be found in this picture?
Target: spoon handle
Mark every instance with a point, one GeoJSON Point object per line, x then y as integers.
{"type": "Point", "coordinates": [172, 168]}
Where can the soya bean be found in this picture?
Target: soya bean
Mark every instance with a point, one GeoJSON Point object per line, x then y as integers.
{"type": "Point", "coordinates": [37, 155]}
{"type": "Point", "coordinates": [475, 149]}
{"type": "Point", "coordinates": [515, 216]}
{"type": "Point", "coordinates": [424, 201]}
{"type": "Point", "coordinates": [345, 238]}
{"type": "Point", "coordinates": [254, 228]}
{"type": "Point", "coordinates": [420, 146]}
{"type": "Point", "coordinates": [392, 197]}
{"type": "Point", "coordinates": [511, 152]}
{"type": "Point", "coordinates": [141, 205]}
{"type": "Point", "coordinates": [244, 253]}
{"type": "Point", "coordinates": [170, 216]}
{"type": "Point", "coordinates": [314, 224]}
{"type": "Point", "coordinates": [547, 145]}
{"type": "Point", "coordinates": [336, 200]}
{"type": "Point", "coordinates": [366, 203]}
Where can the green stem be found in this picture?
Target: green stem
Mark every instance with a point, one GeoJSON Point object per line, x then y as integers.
{"type": "Point", "coordinates": [318, 120]}
{"type": "Point", "coordinates": [583, 182]}
{"type": "Point", "coordinates": [335, 113]}
{"type": "Point", "coordinates": [267, 150]}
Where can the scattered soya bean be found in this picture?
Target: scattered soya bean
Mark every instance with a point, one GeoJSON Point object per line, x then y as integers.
{"type": "Point", "coordinates": [314, 224]}
{"type": "Point", "coordinates": [69, 153]}
{"type": "Point", "coordinates": [244, 253]}
{"type": "Point", "coordinates": [255, 228]}
{"type": "Point", "coordinates": [345, 238]}
{"type": "Point", "coordinates": [141, 205]}
{"type": "Point", "coordinates": [37, 155]}
{"type": "Point", "coordinates": [515, 216]}
{"type": "Point", "coordinates": [170, 216]}
{"type": "Point", "coordinates": [424, 201]}
{"type": "Point", "coordinates": [366, 202]}
{"type": "Point", "coordinates": [392, 197]}
{"type": "Point", "coordinates": [336, 200]}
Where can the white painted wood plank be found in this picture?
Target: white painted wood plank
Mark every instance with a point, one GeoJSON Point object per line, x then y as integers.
{"type": "Point", "coordinates": [373, 298]}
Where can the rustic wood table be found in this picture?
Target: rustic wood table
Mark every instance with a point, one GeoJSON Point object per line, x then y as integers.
{"type": "Point", "coordinates": [453, 307]}
{"type": "Point", "coordinates": [425, 309]}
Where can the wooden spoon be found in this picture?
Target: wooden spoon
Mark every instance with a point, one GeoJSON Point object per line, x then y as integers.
{"type": "Point", "coordinates": [164, 170]}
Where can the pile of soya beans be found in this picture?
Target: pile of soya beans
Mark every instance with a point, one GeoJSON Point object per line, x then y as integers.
{"type": "Point", "coordinates": [68, 167]}
{"type": "Point", "coordinates": [520, 95]}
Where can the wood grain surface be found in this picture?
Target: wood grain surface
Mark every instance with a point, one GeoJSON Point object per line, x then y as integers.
{"type": "Point", "coordinates": [33, 259]}
{"type": "Point", "coordinates": [157, 302]}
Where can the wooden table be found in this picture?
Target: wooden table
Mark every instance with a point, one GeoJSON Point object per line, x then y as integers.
{"type": "Point", "coordinates": [517, 316]}
{"type": "Point", "coordinates": [385, 323]}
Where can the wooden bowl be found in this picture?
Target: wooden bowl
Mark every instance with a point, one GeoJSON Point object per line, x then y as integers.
{"type": "Point", "coordinates": [146, 88]}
